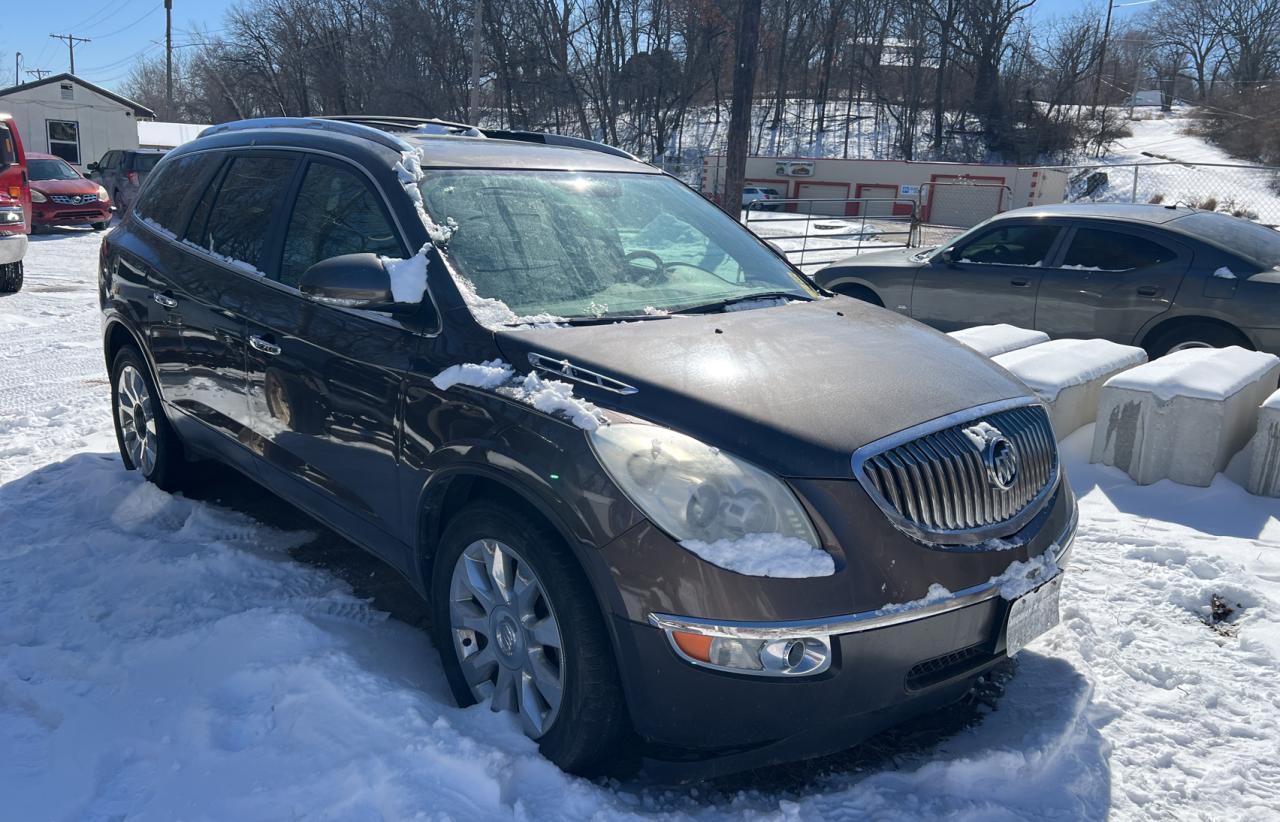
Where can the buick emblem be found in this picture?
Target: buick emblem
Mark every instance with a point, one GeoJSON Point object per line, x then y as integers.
{"type": "Point", "coordinates": [1001, 461]}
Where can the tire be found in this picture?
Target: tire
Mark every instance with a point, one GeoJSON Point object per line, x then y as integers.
{"type": "Point", "coordinates": [115, 198]}
{"type": "Point", "coordinates": [585, 733]}
{"type": "Point", "coordinates": [859, 292]}
{"type": "Point", "coordinates": [1195, 334]}
{"type": "Point", "coordinates": [102, 226]}
{"type": "Point", "coordinates": [11, 277]}
{"type": "Point", "coordinates": [135, 407]}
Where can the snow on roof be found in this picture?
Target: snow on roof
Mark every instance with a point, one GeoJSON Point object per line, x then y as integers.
{"type": "Point", "coordinates": [1204, 373]}
{"type": "Point", "coordinates": [166, 135]}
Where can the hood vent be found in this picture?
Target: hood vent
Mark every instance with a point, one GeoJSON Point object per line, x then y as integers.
{"type": "Point", "coordinates": [565, 370]}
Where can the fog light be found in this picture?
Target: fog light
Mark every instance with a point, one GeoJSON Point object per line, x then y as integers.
{"type": "Point", "coordinates": [785, 656]}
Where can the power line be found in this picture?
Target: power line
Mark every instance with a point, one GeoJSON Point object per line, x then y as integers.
{"type": "Point", "coordinates": [71, 40]}
{"type": "Point", "coordinates": [38, 73]}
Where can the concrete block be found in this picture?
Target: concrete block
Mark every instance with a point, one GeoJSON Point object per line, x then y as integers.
{"type": "Point", "coordinates": [1183, 416]}
{"type": "Point", "coordinates": [1068, 375]}
{"type": "Point", "coordinates": [1264, 450]}
{"type": "Point", "coordinates": [990, 340]}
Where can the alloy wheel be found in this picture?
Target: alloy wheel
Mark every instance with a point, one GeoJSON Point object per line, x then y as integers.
{"type": "Point", "coordinates": [506, 634]}
{"type": "Point", "coordinates": [1184, 345]}
{"type": "Point", "coordinates": [136, 412]}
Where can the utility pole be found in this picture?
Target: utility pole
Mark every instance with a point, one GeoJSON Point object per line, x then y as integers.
{"type": "Point", "coordinates": [38, 73]}
{"type": "Point", "coordinates": [71, 41]}
{"type": "Point", "coordinates": [744, 83]}
{"type": "Point", "coordinates": [1102, 59]}
{"type": "Point", "coordinates": [17, 59]}
{"type": "Point", "coordinates": [168, 54]}
{"type": "Point", "coordinates": [477, 15]}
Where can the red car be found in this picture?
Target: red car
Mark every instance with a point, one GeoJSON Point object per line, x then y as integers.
{"type": "Point", "coordinates": [15, 205]}
{"type": "Point", "coordinates": [61, 196]}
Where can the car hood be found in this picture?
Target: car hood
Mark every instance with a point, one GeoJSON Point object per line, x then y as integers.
{"type": "Point", "coordinates": [80, 186]}
{"type": "Point", "coordinates": [794, 388]}
{"type": "Point", "coordinates": [894, 257]}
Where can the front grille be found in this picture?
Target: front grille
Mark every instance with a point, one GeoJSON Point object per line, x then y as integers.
{"type": "Point", "coordinates": [73, 199]}
{"type": "Point", "coordinates": [933, 482]}
{"type": "Point", "coordinates": [942, 668]}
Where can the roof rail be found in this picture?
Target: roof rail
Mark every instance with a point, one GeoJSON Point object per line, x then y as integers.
{"type": "Point", "coordinates": [351, 129]}
{"type": "Point", "coordinates": [559, 140]}
{"type": "Point", "coordinates": [398, 123]}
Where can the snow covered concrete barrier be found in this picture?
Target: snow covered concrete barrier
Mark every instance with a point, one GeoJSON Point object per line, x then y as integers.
{"type": "Point", "coordinates": [1264, 450]}
{"type": "Point", "coordinates": [1068, 375]}
{"type": "Point", "coordinates": [990, 340]}
{"type": "Point", "coordinates": [1183, 416]}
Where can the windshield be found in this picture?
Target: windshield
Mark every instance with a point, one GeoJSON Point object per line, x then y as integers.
{"type": "Point", "coordinates": [1257, 243]}
{"type": "Point", "coordinates": [593, 244]}
{"type": "Point", "coordinates": [51, 170]}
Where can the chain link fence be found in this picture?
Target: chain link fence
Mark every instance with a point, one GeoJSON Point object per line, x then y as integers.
{"type": "Point", "coordinates": [1248, 191]}
{"type": "Point", "coordinates": [816, 232]}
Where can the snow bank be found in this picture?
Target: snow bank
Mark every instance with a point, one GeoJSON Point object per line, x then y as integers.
{"type": "Point", "coordinates": [990, 340]}
{"type": "Point", "coordinates": [548, 396]}
{"type": "Point", "coordinates": [765, 555]}
{"type": "Point", "coordinates": [1205, 373]}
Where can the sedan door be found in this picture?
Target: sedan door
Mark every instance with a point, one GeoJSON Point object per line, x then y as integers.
{"type": "Point", "coordinates": [989, 277]}
{"type": "Point", "coordinates": [326, 382]}
{"type": "Point", "coordinates": [1111, 280]}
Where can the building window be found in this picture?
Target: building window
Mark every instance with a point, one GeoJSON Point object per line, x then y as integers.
{"type": "Point", "coordinates": [68, 91]}
{"type": "Point", "coordinates": [64, 140]}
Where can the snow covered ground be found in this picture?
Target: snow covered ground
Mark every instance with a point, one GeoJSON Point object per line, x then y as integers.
{"type": "Point", "coordinates": [168, 658]}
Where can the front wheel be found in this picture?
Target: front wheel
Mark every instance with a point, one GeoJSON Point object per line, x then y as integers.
{"type": "Point", "coordinates": [148, 444]}
{"type": "Point", "coordinates": [517, 628]}
{"type": "Point", "coordinates": [11, 277]}
{"type": "Point", "coordinates": [101, 226]}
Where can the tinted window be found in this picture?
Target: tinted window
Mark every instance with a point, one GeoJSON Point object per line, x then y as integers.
{"type": "Point", "coordinates": [251, 191]}
{"type": "Point", "coordinates": [168, 194]}
{"type": "Point", "coordinates": [335, 213]}
{"type": "Point", "coordinates": [1009, 245]}
{"type": "Point", "coordinates": [8, 154]}
{"type": "Point", "coordinates": [1248, 239]}
{"type": "Point", "coordinates": [145, 162]}
{"type": "Point", "coordinates": [1112, 251]}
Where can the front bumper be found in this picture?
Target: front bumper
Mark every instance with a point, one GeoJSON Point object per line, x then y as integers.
{"type": "Point", "coordinates": [13, 247]}
{"type": "Point", "coordinates": [885, 668]}
{"type": "Point", "coordinates": [50, 214]}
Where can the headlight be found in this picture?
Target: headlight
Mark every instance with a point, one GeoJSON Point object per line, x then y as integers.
{"type": "Point", "coordinates": [696, 492]}
{"type": "Point", "coordinates": [10, 216]}
{"type": "Point", "coordinates": [37, 197]}
{"type": "Point", "coordinates": [102, 194]}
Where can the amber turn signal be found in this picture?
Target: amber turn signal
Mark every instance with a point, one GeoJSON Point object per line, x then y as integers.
{"type": "Point", "coordinates": [696, 646]}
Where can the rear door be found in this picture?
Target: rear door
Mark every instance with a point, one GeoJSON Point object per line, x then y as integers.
{"type": "Point", "coordinates": [1109, 281]}
{"type": "Point", "coordinates": [992, 277]}
{"type": "Point", "coordinates": [325, 383]}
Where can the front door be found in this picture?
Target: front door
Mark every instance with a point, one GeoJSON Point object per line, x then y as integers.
{"type": "Point", "coordinates": [325, 382]}
{"type": "Point", "coordinates": [1110, 282]}
{"type": "Point", "coordinates": [991, 277]}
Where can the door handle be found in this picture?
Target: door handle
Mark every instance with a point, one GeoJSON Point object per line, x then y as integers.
{"type": "Point", "coordinates": [1148, 290]}
{"type": "Point", "coordinates": [1019, 283]}
{"type": "Point", "coordinates": [164, 299]}
{"type": "Point", "coordinates": [263, 345]}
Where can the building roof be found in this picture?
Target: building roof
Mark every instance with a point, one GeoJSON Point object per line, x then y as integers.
{"type": "Point", "coordinates": [139, 110]}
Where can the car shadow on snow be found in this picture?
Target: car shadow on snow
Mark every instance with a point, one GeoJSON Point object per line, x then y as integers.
{"type": "Point", "coordinates": [987, 721]}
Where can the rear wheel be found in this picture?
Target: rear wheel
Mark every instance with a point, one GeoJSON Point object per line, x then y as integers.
{"type": "Point", "coordinates": [1197, 334]}
{"type": "Point", "coordinates": [101, 226]}
{"type": "Point", "coordinates": [11, 277]}
{"type": "Point", "coordinates": [518, 629]}
{"type": "Point", "coordinates": [148, 444]}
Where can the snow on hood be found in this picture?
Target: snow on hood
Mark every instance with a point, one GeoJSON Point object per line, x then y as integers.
{"type": "Point", "coordinates": [548, 396]}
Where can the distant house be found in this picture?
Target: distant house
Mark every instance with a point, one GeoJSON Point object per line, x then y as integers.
{"type": "Point", "coordinates": [1151, 97]}
{"type": "Point", "coordinates": [166, 135]}
{"type": "Point", "coordinates": [73, 118]}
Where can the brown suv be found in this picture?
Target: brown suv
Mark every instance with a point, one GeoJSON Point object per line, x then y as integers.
{"type": "Point", "coordinates": [1162, 277]}
{"type": "Point", "coordinates": [662, 494]}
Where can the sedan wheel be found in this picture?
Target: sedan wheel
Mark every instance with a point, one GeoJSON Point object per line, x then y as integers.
{"type": "Point", "coordinates": [136, 414]}
{"type": "Point", "coordinates": [506, 634]}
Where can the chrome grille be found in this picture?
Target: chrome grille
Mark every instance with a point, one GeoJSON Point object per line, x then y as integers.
{"type": "Point", "coordinates": [73, 199]}
{"type": "Point", "coordinates": [933, 483]}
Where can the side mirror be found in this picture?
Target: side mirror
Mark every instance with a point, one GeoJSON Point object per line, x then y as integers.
{"type": "Point", "coordinates": [945, 257]}
{"type": "Point", "coordinates": [352, 281]}
{"type": "Point", "coordinates": [91, 168]}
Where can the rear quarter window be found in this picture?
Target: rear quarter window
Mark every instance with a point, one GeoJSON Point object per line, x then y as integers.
{"type": "Point", "coordinates": [171, 190]}
{"type": "Point", "coordinates": [145, 162]}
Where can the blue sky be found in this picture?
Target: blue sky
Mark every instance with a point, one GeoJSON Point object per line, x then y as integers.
{"type": "Point", "coordinates": [121, 30]}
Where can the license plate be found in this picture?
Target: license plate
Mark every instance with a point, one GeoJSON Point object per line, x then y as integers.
{"type": "Point", "coordinates": [1032, 614]}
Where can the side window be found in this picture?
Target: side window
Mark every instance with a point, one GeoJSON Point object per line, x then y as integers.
{"type": "Point", "coordinates": [1097, 249]}
{"type": "Point", "coordinates": [64, 139]}
{"type": "Point", "coordinates": [335, 213]}
{"type": "Point", "coordinates": [1026, 245]}
{"type": "Point", "coordinates": [108, 160]}
{"type": "Point", "coordinates": [168, 194]}
{"type": "Point", "coordinates": [251, 192]}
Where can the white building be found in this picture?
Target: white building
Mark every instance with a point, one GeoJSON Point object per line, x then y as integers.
{"type": "Point", "coordinates": [72, 118]}
{"type": "Point", "coordinates": [167, 135]}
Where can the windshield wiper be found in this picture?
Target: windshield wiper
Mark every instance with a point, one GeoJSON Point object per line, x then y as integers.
{"type": "Point", "coordinates": [606, 319]}
{"type": "Point", "coordinates": [721, 305]}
